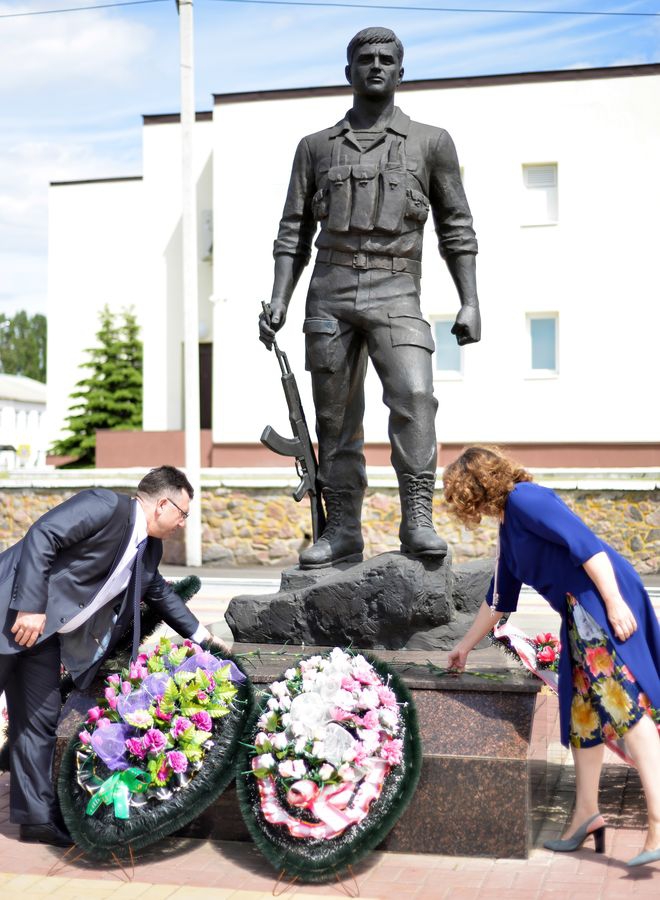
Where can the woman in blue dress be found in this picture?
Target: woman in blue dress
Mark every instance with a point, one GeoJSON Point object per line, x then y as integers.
{"type": "Point", "coordinates": [609, 668]}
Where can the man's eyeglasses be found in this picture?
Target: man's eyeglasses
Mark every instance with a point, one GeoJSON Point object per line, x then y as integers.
{"type": "Point", "coordinates": [184, 515]}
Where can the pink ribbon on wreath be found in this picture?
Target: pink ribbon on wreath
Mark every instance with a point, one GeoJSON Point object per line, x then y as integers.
{"type": "Point", "coordinates": [329, 804]}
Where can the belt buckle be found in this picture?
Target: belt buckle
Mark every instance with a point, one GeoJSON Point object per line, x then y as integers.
{"type": "Point", "coordinates": [360, 260]}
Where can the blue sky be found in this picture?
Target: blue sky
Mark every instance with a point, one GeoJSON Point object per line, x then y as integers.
{"type": "Point", "coordinates": [73, 86]}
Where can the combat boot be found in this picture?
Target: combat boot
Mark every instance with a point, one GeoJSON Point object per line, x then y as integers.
{"type": "Point", "coordinates": [341, 540]}
{"type": "Point", "coordinates": [417, 534]}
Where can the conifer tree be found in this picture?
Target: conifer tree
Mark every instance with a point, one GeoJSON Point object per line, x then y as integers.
{"type": "Point", "coordinates": [111, 394]}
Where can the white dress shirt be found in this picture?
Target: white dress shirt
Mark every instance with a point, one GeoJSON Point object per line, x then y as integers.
{"type": "Point", "coordinates": [119, 579]}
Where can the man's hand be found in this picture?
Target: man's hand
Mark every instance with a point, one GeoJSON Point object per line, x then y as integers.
{"type": "Point", "coordinates": [269, 325]}
{"type": "Point", "coordinates": [621, 619]}
{"type": "Point", "coordinates": [27, 628]}
{"type": "Point", "coordinates": [215, 645]}
{"type": "Point", "coordinates": [467, 326]}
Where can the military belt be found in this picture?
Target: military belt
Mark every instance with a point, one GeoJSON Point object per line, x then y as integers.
{"type": "Point", "coordinates": [361, 260]}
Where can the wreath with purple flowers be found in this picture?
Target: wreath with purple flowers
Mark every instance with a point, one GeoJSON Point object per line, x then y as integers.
{"type": "Point", "coordinates": [157, 749]}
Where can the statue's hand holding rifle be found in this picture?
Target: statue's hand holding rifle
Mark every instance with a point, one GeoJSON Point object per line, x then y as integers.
{"type": "Point", "coordinates": [300, 445]}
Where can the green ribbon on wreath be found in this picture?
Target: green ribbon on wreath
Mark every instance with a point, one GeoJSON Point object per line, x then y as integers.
{"type": "Point", "coordinates": [117, 790]}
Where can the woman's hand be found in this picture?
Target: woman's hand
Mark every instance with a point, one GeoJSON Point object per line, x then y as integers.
{"type": "Point", "coordinates": [458, 657]}
{"type": "Point", "coordinates": [621, 618]}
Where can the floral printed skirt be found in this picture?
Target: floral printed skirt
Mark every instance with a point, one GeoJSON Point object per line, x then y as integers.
{"type": "Point", "coordinates": [607, 700]}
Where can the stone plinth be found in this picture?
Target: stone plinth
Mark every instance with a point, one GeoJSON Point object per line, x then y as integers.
{"type": "Point", "coordinates": [390, 601]}
{"type": "Point", "coordinates": [473, 797]}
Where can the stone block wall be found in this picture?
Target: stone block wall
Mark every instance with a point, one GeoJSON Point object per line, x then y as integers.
{"type": "Point", "coordinates": [266, 527]}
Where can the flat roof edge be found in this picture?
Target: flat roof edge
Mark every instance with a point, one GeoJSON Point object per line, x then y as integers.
{"type": "Point", "coordinates": [629, 71]}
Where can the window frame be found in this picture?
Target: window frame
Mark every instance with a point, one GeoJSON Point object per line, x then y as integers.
{"type": "Point", "coordinates": [527, 218]}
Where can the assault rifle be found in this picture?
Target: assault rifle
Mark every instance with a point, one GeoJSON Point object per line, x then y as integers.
{"type": "Point", "coordinates": [300, 445]}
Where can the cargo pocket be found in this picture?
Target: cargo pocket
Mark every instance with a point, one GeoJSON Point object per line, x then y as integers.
{"type": "Point", "coordinates": [339, 198]}
{"type": "Point", "coordinates": [320, 345]}
{"type": "Point", "coordinates": [417, 206]}
{"type": "Point", "coordinates": [410, 331]}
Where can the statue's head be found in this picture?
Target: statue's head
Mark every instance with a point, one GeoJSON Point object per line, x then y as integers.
{"type": "Point", "coordinates": [375, 62]}
{"type": "Point", "coordinates": [374, 35]}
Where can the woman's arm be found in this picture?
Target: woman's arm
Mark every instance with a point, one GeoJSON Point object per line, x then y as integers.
{"type": "Point", "coordinates": [599, 569]}
{"type": "Point", "coordinates": [482, 624]}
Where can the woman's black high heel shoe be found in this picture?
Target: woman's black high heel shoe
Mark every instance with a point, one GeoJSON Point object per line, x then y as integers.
{"type": "Point", "coordinates": [575, 841]}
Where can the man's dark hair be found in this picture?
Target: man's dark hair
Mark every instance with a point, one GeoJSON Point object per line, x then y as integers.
{"type": "Point", "coordinates": [163, 479]}
{"type": "Point", "coordinates": [375, 35]}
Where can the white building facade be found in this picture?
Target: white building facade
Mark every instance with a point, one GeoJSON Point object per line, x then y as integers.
{"type": "Point", "coordinates": [23, 430]}
{"type": "Point", "coordinates": [561, 173]}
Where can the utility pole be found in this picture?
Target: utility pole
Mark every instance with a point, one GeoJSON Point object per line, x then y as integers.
{"type": "Point", "coordinates": [190, 286]}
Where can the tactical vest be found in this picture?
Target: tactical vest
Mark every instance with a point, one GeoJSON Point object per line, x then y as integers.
{"type": "Point", "coordinates": [369, 197]}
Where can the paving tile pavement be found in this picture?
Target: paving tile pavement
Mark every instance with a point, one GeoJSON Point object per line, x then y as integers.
{"type": "Point", "coordinates": [188, 869]}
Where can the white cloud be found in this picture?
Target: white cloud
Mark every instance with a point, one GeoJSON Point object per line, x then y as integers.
{"type": "Point", "coordinates": [47, 52]}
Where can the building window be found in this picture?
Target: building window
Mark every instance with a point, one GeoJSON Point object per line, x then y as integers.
{"type": "Point", "coordinates": [540, 203]}
{"type": "Point", "coordinates": [543, 343]}
{"type": "Point", "coordinates": [448, 356]}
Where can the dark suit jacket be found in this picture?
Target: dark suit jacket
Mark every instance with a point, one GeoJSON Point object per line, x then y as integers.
{"type": "Point", "coordinates": [62, 563]}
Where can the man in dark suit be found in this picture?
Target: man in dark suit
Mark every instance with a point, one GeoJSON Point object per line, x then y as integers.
{"type": "Point", "coordinates": [68, 592]}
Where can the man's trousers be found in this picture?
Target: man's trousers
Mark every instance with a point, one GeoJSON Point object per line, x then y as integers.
{"type": "Point", "coordinates": [31, 682]}
{"type": "Point", "coordinates": [353, 315]}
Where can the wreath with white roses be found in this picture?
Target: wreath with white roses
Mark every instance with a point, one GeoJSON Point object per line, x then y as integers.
{"type": "Point", "coordinates": [331, 760]}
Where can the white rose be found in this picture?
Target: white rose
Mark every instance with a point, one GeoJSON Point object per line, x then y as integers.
{"type": "Point", "coordinates": [326, 771]}
{"type": "Point", "coordinates": [290, 674]}
{"type": "Point", "coordinates": [318, 749]}
{"type": "Point", "coordinates": [346, 772]}
{"type": "Point", "coordinates": [279, 689]}
{"type": "Point", "coordinates": [389, 719]}
{"type": "Point", "coordinates": [280, 741]}
{"type": "Point", "coordinates": [344, 700]}
{"type": "Point", "coordinates": [265, 761]}
{"type": "Point", "coordinates": [286, 720]}
{"type": "Point", "coordinates": [368, 699]}
{"type": "Point", "coordinates": [273, 703]}
{"type": "Point", "coordinates": [285, 703]}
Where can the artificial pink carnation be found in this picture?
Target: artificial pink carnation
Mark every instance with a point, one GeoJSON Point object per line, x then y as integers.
{"type": "Point", "coordinates": [84, 737]}
{"type": "Point", "coordinates": [126, 687]}
{"type": "Point", "coordinates": [166, 717]}
{"type": "Point", "coordinates": [371, 720]}
{"type": "Point", "coordinates": [113, 679]}
{"type": "Point", "coordinates": [202, 696]}
{"type": "Point", "coordinates": [392, 751]}
{"type": "Point", "coordinates": [136, 747]}
{"type": "Point", "coordinates": [164, 772]}
{"type": "Point", "coordinates": [386, 696]}
{"type": "Point", "coordinates": [202, 720]}
{"type": "Point", "coordinates": [181, 725]}
{"type": "Point", "coordinates": [177, 761]}
{"type": "Point", "coordinates": [103, 723]}
{"type": "Point", "coordinates": [348, 683]}
{"type": "Point", "coordinates": [154, 740]}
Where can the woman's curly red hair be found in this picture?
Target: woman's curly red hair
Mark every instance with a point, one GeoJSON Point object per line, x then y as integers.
{"type": "Point", "coordinates": [478, 483]}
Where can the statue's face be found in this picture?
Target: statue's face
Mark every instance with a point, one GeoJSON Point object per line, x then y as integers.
{"type": "Point", "coordinates": [375, 70]}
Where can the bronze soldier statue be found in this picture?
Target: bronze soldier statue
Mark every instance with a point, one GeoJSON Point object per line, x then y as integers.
{"type": "Point", "coordinates": [369, 182]}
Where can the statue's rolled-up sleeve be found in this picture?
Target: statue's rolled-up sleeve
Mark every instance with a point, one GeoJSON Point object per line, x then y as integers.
{"type": "Point", "coordinates": [297, 225]}
{"type": "Point", "coordinates": [451, 212]}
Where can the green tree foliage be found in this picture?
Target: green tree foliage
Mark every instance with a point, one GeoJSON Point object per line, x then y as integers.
{"type": "Point", "coordinates": [23, 345]}
{"type": "Point", "coordinates": [111, 394]}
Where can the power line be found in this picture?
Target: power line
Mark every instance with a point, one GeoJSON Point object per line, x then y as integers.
{"type": "Point", "coordinates": [328, 3]}
{"type": "Point", "coordinates": [52, 12]}
{"type": "Point", "coordinates": [445, 9]}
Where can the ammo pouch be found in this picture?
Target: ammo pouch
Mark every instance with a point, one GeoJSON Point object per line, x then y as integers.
{"type": "Point", "coordinates": [367, 197]}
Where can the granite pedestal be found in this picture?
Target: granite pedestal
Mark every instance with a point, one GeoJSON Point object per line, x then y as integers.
{"type": "Point", "coordinates": [473, 797]}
